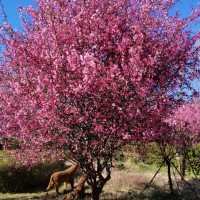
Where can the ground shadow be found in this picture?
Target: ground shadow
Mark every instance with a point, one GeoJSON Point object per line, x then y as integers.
{"type": "Point", "coordinates": [157, 193]}
{"type": "Point", "coordinates": [190, 189]}
{"type": "Point", "coordinates": [150, 195]}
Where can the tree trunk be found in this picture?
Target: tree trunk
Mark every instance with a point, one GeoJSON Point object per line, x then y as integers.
{"type": "Point", "coordinates": [96, 193]}
{"type": "Point", "coordinates": [183, 166]}
{"type": "Point", "coordinates": [95, 178]}
{"type": "Point", "coordinates": [169, 174]}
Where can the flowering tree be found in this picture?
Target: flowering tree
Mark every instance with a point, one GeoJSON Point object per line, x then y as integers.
{"type": "Point", "coordinates": [186, 122]}
{"type": "Point", "coordinates": [83, 77]}
{"type": "Point", "coordinates": [186, 119]}
{"type": "Point", "coordinates": [176, 135]}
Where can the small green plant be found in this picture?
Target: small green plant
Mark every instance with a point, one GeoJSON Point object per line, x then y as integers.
{"type": "Point", "coordinates": [193, 162]}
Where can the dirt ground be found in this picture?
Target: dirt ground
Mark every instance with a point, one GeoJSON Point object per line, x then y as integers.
{"type": "Point", "coordinates": [125, 185]}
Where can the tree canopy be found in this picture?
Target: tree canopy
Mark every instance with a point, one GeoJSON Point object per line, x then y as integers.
{"type": "Point", "coordinates": [84, 77]}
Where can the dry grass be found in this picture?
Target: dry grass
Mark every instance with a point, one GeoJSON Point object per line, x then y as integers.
{"type": "Point", "coordinates": [24, 196]}
{"type": "Point", "coordinates": [123, 181]}
{"type": "Point", "coordinates": [127, 185]}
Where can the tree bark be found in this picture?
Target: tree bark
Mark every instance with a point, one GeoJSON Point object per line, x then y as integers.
{"type": "Point", "coordinates": [183, 166]}
{"type": "Point", "coordinates": [169, 174]}
{"type": "Point", "coordinates": [96, 193]}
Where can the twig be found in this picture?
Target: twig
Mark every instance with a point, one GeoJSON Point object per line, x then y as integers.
{"type": "Point", "coordinates": [152, 178]}
{"type": "Point", "coordinates": [3, 12]}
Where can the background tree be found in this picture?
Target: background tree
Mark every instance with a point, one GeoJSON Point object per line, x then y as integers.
{"type": "Point", "coordinates": [185, 119]}
{"type": "Point", "coordinates": [83, 77]}
{"type": "Point", "coordinates": [178, 134]}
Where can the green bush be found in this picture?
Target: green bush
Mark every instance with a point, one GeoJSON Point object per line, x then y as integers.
{"type": "Point", "coordinates": [148, 153]}
{"type": "Point", "coordinates": [21, 179]}
{"type": "Point", "coordinates": [193, 162]}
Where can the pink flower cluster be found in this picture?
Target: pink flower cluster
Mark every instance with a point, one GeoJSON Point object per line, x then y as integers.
{"type": "Point", "coordinates": [186, 122]}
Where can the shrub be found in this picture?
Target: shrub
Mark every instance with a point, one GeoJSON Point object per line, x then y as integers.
{"type": "Point", "coordinates": [21, 179]}
{"type": "Point", "coordinates": [194, 160]}
{"type": "Point", "coordinates": [148, 153]}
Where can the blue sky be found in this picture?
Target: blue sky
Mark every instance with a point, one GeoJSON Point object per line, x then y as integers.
{"type": "Point", "coordinates": [11, 10]}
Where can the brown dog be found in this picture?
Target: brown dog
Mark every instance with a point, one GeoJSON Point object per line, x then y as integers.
{"type": "Point", "coordinates": [58, 178]}
{"type": "Point", "coordinates": [79, 190]}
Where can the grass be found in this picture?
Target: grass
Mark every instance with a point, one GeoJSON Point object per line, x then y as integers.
{"type": "Point", "coordinates": [127, 182]}
{"type": "Point", "coordinates": [24, 196]}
